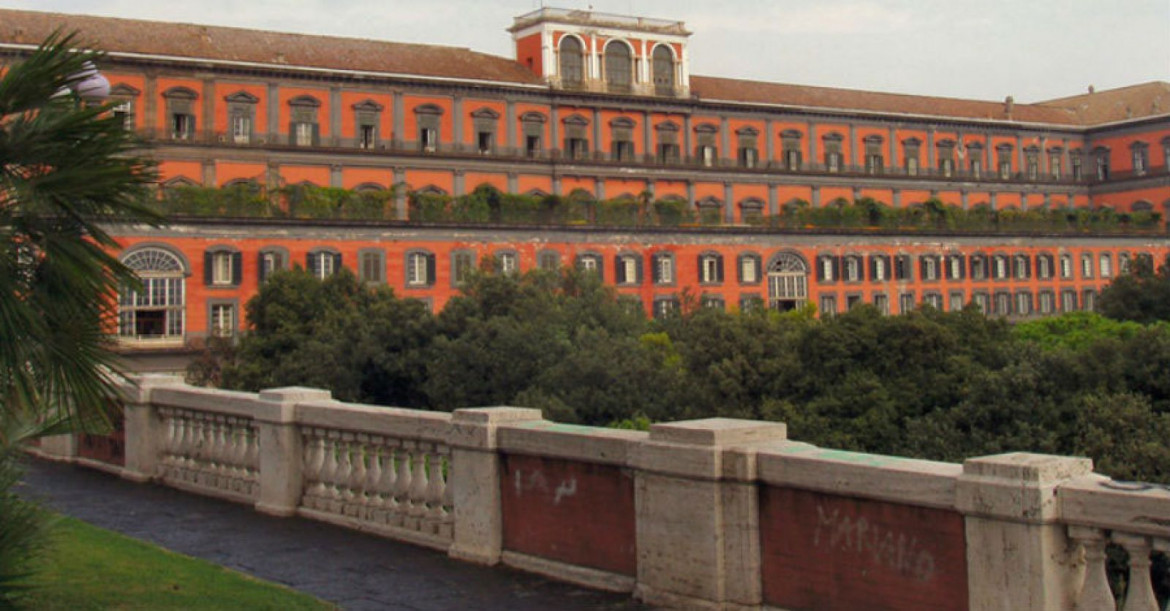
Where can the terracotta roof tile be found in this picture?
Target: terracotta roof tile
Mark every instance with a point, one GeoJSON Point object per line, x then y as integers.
{"type": "Point", "coordinates": [234, 44]}
{"type": "Point", "coordinates": [264, 47]}
{"type": "Point", "coordinates": [1132, 102]}
{"type": "Point", "coordinates": [713, 88]}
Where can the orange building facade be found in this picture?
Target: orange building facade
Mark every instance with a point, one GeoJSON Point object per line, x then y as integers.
{"type": "Point", "coordinates": [605, 106]}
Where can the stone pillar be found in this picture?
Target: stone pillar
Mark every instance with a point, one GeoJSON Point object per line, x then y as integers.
{"type": "Point", "coordinates": [398, 121]}
{"type": "Point", "coordinates": [281, 454]}
{"type": "Point", "coordinates": [145, 435]}
{"type": "Point", "coordinates": [475, 481]}
{"type": "Point", "coordinates": [1018, 552]}
{"type": "Point", "coordinates": [335, 116]}
{"type": "Point", "coordinates": [58, 447]}
{"type": "Point", "coordinates": [273, 102]}
{"type": "Point", "coordinates": [697, 510]}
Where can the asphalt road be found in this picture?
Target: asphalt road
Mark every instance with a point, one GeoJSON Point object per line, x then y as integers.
{"type": "Point", "coordinates": [353, 570]}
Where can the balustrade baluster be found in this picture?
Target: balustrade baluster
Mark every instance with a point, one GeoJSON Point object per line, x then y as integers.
{"type": "Point", "coordinates": [418, 483]}
{"type": "Point", "coordinates": [1095, 593]}
{"type": "Point", "coordinates": [389, 481]}
{"type": "Point", "coordinates": [171, 446]}
{"type": "Point", "coordinates": [344, 470]}
{"type": "Point", "coordinates": [435, 485]}
{"type": "Point", "coordinates": [374, 502]}
{"type": "Point", "coordinates": [314, 461]}
{"type": "Point", "coordinates": [403, 483]}
{"type": "Point", "coordinates": [1139, 596]}
{"type": "Point", "coordinates": [252, 458]}
{"type": "Point", "coordinates": [183, 444]}
{"type": "Point", "coordinates": [357, 475]}
{"type": "Point", "coordinates": [239, 455]}
{"type": "Point", "coordinates": [332, 497]}
{"type": "Point", "coordinates": [448, 490]}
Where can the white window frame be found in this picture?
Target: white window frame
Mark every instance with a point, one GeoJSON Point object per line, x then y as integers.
{"type": "Point", "coordinates": [223, 320]}
{"type": "Point", "coordinates": [416, 270]}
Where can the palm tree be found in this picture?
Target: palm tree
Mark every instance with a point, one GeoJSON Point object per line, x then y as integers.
{"type": "Point", "coordinates": [67, 170]}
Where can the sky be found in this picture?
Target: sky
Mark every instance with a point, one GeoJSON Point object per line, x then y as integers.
{"type": "Point", "coordinates": [1032, 50]}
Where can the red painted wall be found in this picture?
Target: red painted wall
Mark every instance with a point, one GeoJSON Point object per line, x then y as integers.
{"type": "Point", "coordinates": [823, 551]}
{"type": "Point", "coordinates": [573, 512]}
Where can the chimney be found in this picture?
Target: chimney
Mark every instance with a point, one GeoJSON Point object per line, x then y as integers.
{"type": "Point", "coordinates": [1008, 103]}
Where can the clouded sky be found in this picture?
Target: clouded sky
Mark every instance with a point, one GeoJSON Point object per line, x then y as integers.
{"type": "Point", "coordinates": [982, 49]}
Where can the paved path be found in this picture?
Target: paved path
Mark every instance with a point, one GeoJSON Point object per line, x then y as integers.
{"type": "Point", "coordinates": [353, 570]}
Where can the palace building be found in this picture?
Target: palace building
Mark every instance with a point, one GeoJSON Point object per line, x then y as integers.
{"type": "Point", "coordinates": [660, 180]}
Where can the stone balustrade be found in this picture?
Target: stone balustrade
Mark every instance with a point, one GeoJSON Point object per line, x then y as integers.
{"type": "Point", "coordinates": [705, 514]}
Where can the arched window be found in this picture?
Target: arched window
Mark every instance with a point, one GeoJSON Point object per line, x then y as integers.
{"type": "Point", "coordinates": [618, 67]}
{"type": "Point", "coordinates": [572, 72]}
{"type": "Point", "coordinates": [787, 281]}
{"type": "Point", "coordinates": [155, 313]}
{"type": "Point", "coordinates": [663, 71]}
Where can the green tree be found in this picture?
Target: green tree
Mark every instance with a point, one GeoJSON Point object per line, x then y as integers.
{"type": "Point", "coordinates": [67, 169]}
{"type": "Point", "coordinates": [1143, 295]}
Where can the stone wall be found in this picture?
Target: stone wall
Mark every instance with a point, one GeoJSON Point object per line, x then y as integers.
{"type": "Point", "coordinates": [704, 514]}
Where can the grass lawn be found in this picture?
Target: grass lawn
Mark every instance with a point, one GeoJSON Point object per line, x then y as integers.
{"type": "Point", "coordinates": [92, 568]}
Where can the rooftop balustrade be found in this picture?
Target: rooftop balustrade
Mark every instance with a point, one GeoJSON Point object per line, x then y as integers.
{"type": "Point", "coordinates": [716, 513]}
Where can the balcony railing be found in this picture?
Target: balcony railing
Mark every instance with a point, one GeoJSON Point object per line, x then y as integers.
{"type": "Point", "coordinates": [686, 163]}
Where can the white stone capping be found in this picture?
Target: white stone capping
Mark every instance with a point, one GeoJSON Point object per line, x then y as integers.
{"type": "Point", "coordinates": [475, 428]}
{"type": "Point", "coordinates": [1018, 487]}
{"type": "Point", "coordinates": [372, 420]}
{"type": "Point", "coordinates": [571, 442]}
{"type": "Point", "coordinates": [1100, 502]}
{"type": "Point", "coordinates": [137, 388]}
{"type": "Point", "coordinates": [694, 449]}
{"type": "Point", "coordinates": [227, 402]}
{"type": "Point", "coordinates": [580, 575]}
{"type": "Point", "coordinates": [884, 478]}
{"type": "Point", "coordinates": [287, 398]}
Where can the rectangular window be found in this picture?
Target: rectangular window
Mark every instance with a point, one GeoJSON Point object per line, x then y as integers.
{"type": "Point", "coordinates": [303, 133]}
{"type": "Point", "coordinates": [508, 263]}
{"type": "Point", "coordinates": [623, 150]}
{"type": "Point", "coordinates": [1066, 268]}
{"type": "Point", "coordinates": [882, 302]}
{"type": "Point", "coordinates": [709, 270]}
{"type": "Point", "coordinates": [576, 148]}
{"type": "Point", "coordinates": [223, 320]}
{"type": "Point", "coordinates": [1089, 301]}
{"type": "Point", "coordinates": [367, 136]}
{"type": "Point", "coordinates": [749, 270]}
{"type": "Point", "coordinates": [548, 261]}
{"type": "Point", "coordinates": [1054, 166]}
{"type": "Point", "coordinates": [1086, 266]}
{"type": "Point", "coordinates": [906, 303]}
{"type": "Point", "coordinates": [532, 146]}
{"type": "Point", "coordinates": [1078, 172]}
{"type": "Point", "coordinates": [874, 163]}
{"type": "Point", "coordinates": [1068, 301]}
{"type": "Point", "coordinates": [706, 155]}
{"type": "Point", "coordinates": [182, 126]}
{"type": "Point", "coordinates": [270, 262]}
{"type": "Point", "coordinates": [484, 141]}
{"type": "Point", "coordinates": [461, 265]}
{"type": "Point", "coordinates": [241, 129]}
{"type": "Point", "coordinates": [628, 270]}
{"type": "Point", "coordinates": [664, 269]}
{"type": "Point", "coordinates": [668, 153]}
{"type": "Point", "coordinates": [1023, 303]}
{"type": "Point", "coordinates": [371, 267]}
{"type": "Point", "coordinates": [221, 271]}
{"type": "Point", "coordinates": [749, 157]}
{"type": "Point", "coordinates": [1003, 304]}
{"type": "Point", "coordinates": [125, 113]}
{"type": "Point", "coordinates": [982, 301]}
{"type": "Point", "coordinates": [418, 269]}
{"type": "Point", "coordinates": [956, 302]}
{"type": "Point", "coordinates": [828, 305]}
{"type": "Point", "coordinates": [1047, 305]}
{"type": "Point", "coordinates": [976, 168]}
{"type": "Point", "coordinates": [428, 139]}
